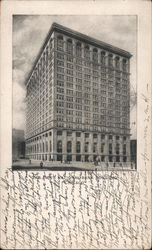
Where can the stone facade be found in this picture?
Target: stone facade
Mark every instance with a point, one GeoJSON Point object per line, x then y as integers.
{"type": "Point", "coordinates": [78, 100]}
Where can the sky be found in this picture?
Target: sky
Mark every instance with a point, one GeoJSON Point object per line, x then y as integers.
{"type": "Point", "coordinates": [29, 32]}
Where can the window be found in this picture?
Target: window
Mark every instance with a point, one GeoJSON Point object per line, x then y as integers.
{"type": "Point", "coordinates": [69, 133]}
{"type": "Point", "coordinates": [70, 72]}
{"type": "Point", "coordinates": [78, 61]}
{"type": "Point", "coordinates": [110, 148]}
{"type": "Point", "coordinates": [95, 55]}
{"type": "Point", "coordinates": [60, 83]}
{"type": "Point", "coordinates": [124, 65]}
{"type": "Point", "coordinates": [124, 159]}
{"type": "Point", "coordinates": [69, 58]}
{"type": "Point", "coordinates": [69, 85]}
{"type": "Point", "coordinates": [59, 132]}
{"type": "Point", "coordinates": [110, 158]}
{"type": "Point", "coordinates": [102, 148]}
{"type": "Point", "coordinates": [86, 147]}
{"type": "Point", "coordinates": [110, 137]}
{"type": "Point", "coordinates": [102, 158]}
{"type": "Point", "coordinates": [60, 70]}
{"type": "Point", "coordinates": [86, 135]}
{"type": "Point", "coordinates": [78, 49]}
{"type": "Point", "coordinates": [117, 149]}
{"type": "Point", "coordinates": [60, 63]}
{"type": "Point", "coordinates": [61, 77]}
{"type": "Point", "coordinates": [117, 159]}
{"type": "Point", "coordinates": [69, 92]}
{"type": "Point", "coordinates": [94, 147]}
{"type": "Point", "coordinates": [78, 157]}
{"type": "Point", "coordinates": [69, 79]}
{"type": "Point", "coordinates": [86, 52]}
{"type": "Point", "coordinates": [69, 46]}
{"type": "Point", "coordinates": [103, 58]}
{"type": "Point", "coordinates": [69, 65]}
{"type": "Point", "coordinates": [69, 99]}
{"type": "Point", "coordinates": [59, 146]}
{"type": "Point", "coordinates": [69, 105]}
{"type": "Point", "coordinates": [102, 136]}
{"type": "Point", "coordinates": [117, 137]}
{"type": "Point", "coordinates": [124, 149]}
{"type": "Point", "coordinates": [69, 147]}
{"type": "Point", "coordinates": [60, 43]}
{"type": "Point", "coordinates": [117, 62]}
{"type": "Point", "coordinates": [94, 136]}
{"type": "Point", "coordinates": [110, 60]}
{"type": "Point", "coordinates": [78, 134]}
{"type": "Point", "coordinates": [78, 146]}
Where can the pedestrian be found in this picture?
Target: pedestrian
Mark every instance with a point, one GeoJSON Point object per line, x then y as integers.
{"type": "Point", "coordinates": [41, 164]}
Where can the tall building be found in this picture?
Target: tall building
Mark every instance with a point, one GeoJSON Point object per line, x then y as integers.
{"type": "Point", "coordinates": [78, 95]}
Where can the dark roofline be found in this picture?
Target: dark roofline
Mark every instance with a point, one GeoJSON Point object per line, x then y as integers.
{"type": "Point", "coordinates": [77, 35]}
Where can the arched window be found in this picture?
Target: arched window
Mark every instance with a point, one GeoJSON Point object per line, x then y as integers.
{"type": "Point", "coordinates": [69, 46]}
{"type": "Point", "coordinates": [59, 147]}
{"type": "Point", "coordinates": [78, 49]}
{"type": "Point", "coordinates": [60, 43]}
{"type": "Point", "coordinates": [78, 147]}
{"type": "Point", "coordinates": [69, 147]}
{"type": "Point", "coordinates": [103, 58]}
{"type": "Point", "coordinates": [95, 55]}
{"type": "Point", "coordinates": [87, 52]}
{"type": "Point", "coordinates": [117, 62]}
{"type": "Point", "coordinates": [110, 60]}
{"type": "Point", "coordinates": [124, 65]}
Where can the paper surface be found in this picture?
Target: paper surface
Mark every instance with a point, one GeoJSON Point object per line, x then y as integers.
{"type": "Point", "coordinates": [77, 210]}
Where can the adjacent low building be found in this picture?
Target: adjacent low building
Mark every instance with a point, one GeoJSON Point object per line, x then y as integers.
{"type": "Point", "coordinates": [133, 151]}
{"type": "Point", "coordinates": [18, 144]}
{"type": "Point", "coordinates": [78, 100]}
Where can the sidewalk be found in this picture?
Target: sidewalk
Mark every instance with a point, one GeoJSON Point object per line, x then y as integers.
{"type": "Point", "coordinates": [72, 166]}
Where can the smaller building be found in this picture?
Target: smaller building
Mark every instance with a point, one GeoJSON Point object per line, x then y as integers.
{"type": "Point", "coordinates": [18, 144]}
{"type": "Point", "coordinates": [133, 151]}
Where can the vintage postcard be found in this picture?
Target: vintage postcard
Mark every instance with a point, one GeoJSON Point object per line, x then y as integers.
{"type": "Point", "coordinates": [75, 125]}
